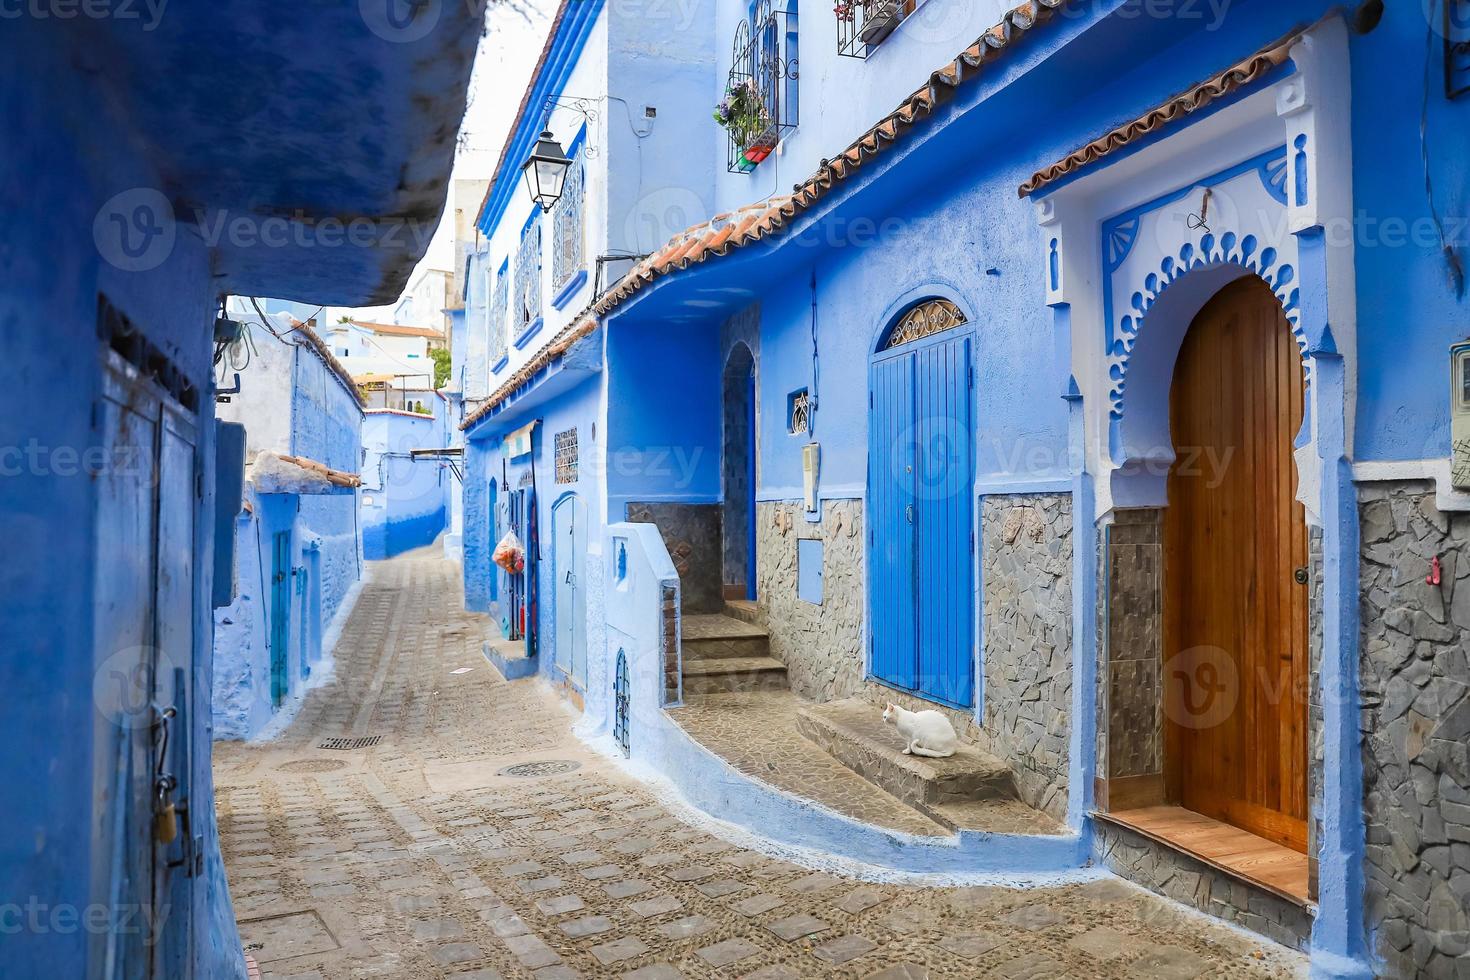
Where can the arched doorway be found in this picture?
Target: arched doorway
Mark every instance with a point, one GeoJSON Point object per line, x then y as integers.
{"type": "Point", "coordinates": [738, 475]}
{"type": "Point", "coordinates": [1235, 571]}
{"type": "Point", "coordinates": [921, 506]}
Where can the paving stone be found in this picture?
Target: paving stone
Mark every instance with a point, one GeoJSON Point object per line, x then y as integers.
{"type": "Point", "coordinates": [559, 972]}
{"type": "Point", "coordinates": [970, 945]}
{"type": "Point", "coordinates": [901, 971]}
{"type": "Point", "coordinates": [1034, 918]}
{"type": "Point", "coordinates": [561, 904]}
{"type": "Point", "coordinates": [531, 951]}
{"type": "Point", "coordinates": [661, 905]}
{"type": "Point", "coordinates": [1167, 963]}
{"type": "Point", "coordinates": [601, 872]}
{"type": "Point", "coordinates": [619, 950]}
{"type": "Point", "coordinates": [482, 974]}
{"type": "Point", "coordinates": [720, 887]}
{"type": "Point", "coordinates": [1101, 943]}
{"type": "Point", "coordinates": [590, 925]}
{"type": "Point", "coordinates": [442, 928]}
{"type": "Point", "coordinates": [686, 928]}
{"type": "Point", "coordinates": [448, 954]}
{"type": "Point", "coordinates": [798, 926]}
{"type": "Point", "coordinates": [905, 922]}
{"type": "Point", "coordinates": [757, 905]}
{"type": "Point", "coordinates": [697, 872]}
{"type": "Point", "coordinates": [1032, 966]}
{"type": "Point", "coordinates": [844, 948]}
{"type": "Point", "coordinates": [658, 971]}
{"type": "Point", "coordinates": [775, 972]}
{"type": "Point", "coordinates": [537, 885]}
{"type": "Point", "coordinates": [728, 952]}
{"type": "Point", "coordinates": [860, 900]}
{"type": "Point", "coordinates": [626, 889]}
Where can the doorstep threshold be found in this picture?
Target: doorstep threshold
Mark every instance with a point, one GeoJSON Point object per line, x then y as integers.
{"type": "Point", "coordinates": [1237, 853]}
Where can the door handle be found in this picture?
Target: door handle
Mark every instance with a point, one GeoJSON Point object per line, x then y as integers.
{"type": "Point", "coordinates": [1302, 576]}
{"type": "Point", "coordinates": [908, 512]}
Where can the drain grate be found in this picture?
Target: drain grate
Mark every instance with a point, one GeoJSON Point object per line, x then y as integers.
{"type": "Point", "coordinates": [534, 770]}
{"type": "Point", "coordinates": [350, 743]}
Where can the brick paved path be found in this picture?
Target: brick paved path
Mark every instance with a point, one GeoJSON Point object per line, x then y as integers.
{"type": "Point", "coordinates": [412, 858]}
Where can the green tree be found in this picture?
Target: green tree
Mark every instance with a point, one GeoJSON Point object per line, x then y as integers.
{"type": "Point", "coordinates": [442, 364]}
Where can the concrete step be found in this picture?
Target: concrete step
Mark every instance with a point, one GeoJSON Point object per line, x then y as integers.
{"type": "Point", "coordinates": [734, 675]}
{"type": "Point", "coordinates": [509, 657]}
{"type": "Point", "coordinates": [741, 609]}
{"type": "Point", "coordinates": [854, 733]}
{"type": "Point", "coordinates": [722, 637]}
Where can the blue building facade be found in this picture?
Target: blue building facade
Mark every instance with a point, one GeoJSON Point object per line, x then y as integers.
{"type": "Point", "coordinates": [127, 146]}
{"type": "Point", "coordinates": [404, 498]}
{"type": "Point", "coordinates": [297, 545]}
{"type": "Point", "coordinates": [1095, 396]}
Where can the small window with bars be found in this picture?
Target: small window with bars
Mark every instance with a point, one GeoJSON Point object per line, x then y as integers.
{"type": "Point", "coordinates": [799, 412]}
{"type": "Point", "coordinates": [565, 444]}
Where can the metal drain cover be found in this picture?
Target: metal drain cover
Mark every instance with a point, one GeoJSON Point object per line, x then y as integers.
{"type": "Point", "coordinates": [313, 765]}
{"type": "Point", "coordinates": [535, 770]}
{"type": "Point", "coordinates": [350, 743]}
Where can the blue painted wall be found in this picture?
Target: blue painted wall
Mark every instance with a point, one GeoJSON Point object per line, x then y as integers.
{"type": "Point", "coordinates": [402, 499]}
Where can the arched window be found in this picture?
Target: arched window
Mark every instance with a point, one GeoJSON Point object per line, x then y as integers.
{"type": "Point", "coordinates": [925, 320]}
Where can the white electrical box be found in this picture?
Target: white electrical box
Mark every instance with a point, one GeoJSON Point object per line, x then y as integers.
{"type": "Point", "coordinates": [1460, 415]}
{"type": "Point", "coordinates": [811, 464]}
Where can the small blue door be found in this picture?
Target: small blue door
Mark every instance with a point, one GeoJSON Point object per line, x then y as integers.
{"type": "Point", "coordinates": [921, 532]}
{"type": "Point", "coordinates": [280, 615]}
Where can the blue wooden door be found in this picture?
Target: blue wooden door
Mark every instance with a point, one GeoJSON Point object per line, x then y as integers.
{"type": "Point", "coordinates": [921, 513]}
{"type": "Point", "coordinates": [891, 534]}
{"type": "Point", "coordinates": [942, 486]}
{"type": "Point", "coordinates": [280, 615]}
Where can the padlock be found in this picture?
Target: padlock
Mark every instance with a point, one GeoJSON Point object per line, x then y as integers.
{"type": "Point", "coordinates": [166, 824]}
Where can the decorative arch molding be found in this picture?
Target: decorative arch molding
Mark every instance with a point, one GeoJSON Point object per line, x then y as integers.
{"type": "Point", "coordinates": [918, 295]}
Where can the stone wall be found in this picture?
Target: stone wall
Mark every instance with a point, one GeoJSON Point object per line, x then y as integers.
{"type": "Point", "coordinates": [1131, 755]}
{"type": "Point", "coordinates": [1026, 575]}
{"type": "Point", "coordinates": [691, 532]}
{"type": "Point", "coordinates": [821, 646]}
{"type": "Point", "coordinates": [1416, 730]}
{"type": "Point", "coordinates": [1193, 883]}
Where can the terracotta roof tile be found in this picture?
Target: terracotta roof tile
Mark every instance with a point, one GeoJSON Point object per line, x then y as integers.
{"type": "Point", "coordinates": [1231, 80]}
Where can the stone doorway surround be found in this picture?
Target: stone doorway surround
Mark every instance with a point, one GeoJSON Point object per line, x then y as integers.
{"type": "Point", "coordinates": [1122, 301]}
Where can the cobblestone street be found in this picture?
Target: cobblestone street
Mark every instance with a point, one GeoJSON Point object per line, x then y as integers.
{"type": "Point", "coordinates": [416, 857]}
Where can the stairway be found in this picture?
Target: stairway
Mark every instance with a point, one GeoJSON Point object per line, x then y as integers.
{"type": "Point", "coordinates": [729, 654]}
{"type": "Point", "coordinates": [953, 792]}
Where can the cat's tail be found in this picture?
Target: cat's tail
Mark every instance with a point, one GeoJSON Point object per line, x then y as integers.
{"type": "Point", "coordinates": [930, 753]}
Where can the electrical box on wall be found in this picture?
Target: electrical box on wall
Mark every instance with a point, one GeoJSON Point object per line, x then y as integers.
{"type": "Point", "coordinates": [1460, 415]}
{"type": "Point", "coordinates": [811, 464]}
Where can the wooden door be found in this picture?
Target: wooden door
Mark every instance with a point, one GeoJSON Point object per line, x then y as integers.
{"type": "Point", "coordinates": [1235, 558]}
{"type": "Point", "coordinates": [891, 480]}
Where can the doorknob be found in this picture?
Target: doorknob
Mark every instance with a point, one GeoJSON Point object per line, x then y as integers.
{"type": "Point", "coordinates": [1302, 576]}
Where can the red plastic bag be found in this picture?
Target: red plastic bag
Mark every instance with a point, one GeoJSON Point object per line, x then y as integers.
{"type": "Point", "coordinates": [510, 554]}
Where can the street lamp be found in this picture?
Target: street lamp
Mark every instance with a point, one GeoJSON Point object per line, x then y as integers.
{"type": "Point", "coordinates": [546, 171]}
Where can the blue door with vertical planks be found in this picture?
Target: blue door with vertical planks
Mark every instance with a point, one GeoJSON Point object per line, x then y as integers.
{"type": "Point", "coordinates": [280, 615]}
{"type": "Point", "coordinates": [921, 518]}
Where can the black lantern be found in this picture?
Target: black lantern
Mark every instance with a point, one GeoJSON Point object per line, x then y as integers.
{"type": "Point", "coordinates": [546, 171]}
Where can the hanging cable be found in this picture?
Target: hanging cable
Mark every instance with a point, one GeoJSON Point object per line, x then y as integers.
{"type": "Point", "coordinates": [816, 362]}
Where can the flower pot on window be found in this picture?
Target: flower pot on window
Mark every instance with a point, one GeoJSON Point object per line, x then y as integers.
{"type": "Point", "coordinates": [880, 17]}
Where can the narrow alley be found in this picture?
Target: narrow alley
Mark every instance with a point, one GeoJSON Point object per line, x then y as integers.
{"type": "Point", "coordinates": [473, 836]}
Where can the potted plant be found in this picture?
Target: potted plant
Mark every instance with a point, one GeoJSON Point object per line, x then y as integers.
{"type": "Point", "coordinates": [743, 114]}
{"type": "Point", "coordinates": [880, 17]}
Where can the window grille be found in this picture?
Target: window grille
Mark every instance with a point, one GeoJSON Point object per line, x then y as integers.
{"type": "Point", "coordinates": [862, 25]}
{"type": "Point", "coordinates": [566, 456]}
{"type": "Point", "coordinates": [496, 345]}
{"type": "Point", "coordinates": [527, 311]}
{"type": "Point", "coordinates": [799, 412]}
{"type": "Point", "coordinates": [761, 96]}
{"type": "Point", "coordinates": [566, 233]}
{"type": "Point", "coordinates": [925, 320]}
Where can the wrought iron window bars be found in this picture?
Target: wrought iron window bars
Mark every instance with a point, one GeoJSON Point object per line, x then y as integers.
{"type": "Point", "coordinates": [761, 103]}
{"type": "Point", "coordinates": [862, 25]}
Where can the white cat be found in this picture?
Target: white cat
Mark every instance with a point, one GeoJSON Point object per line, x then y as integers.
{"type": "Point", "coordinates": [928, 733]}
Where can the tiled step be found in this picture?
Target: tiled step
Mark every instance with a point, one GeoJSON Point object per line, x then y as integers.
{"type": "Point", "coordinates": [741, 609]}
{"type": "Point", "coordinates": [734, 675]}
{"type": "Point", "coordinates": [721, 637]}
{"type": "Point", "coordinates": [854, 733]}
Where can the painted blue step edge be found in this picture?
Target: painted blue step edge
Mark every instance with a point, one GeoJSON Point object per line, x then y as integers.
{"type": "Point", "coordinates": [511, 668]}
